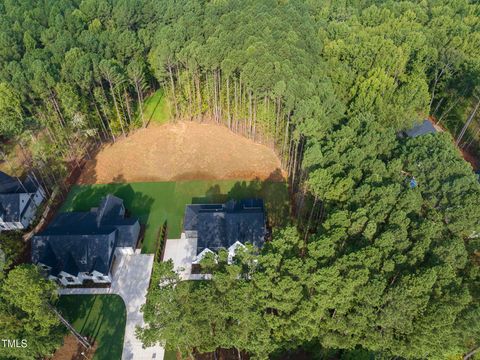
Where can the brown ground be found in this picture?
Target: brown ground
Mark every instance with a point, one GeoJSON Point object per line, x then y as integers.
{"type": "Point", "coordinates": [15, 159]}
{"type": "Point", "coordinates": [72, 350]}
{"type": "Point", "coordinates": [474, 161]}
{"type": "Point", "coordinates": [181, 151]}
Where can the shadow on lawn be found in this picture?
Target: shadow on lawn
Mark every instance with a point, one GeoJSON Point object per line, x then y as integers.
{"type": "Point", "coordinates": [101, 318]}
{"type": "Point", "coordinates": [273, 192]}
{"type": "Point", "coordinates": [136, 203]}
{"type": "Point", "coordinates": [109, 329]}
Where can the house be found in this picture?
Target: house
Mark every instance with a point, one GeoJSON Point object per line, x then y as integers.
{"type": "Point", "coordinates": [19, 201]}
{"type": "Point", "coordinates": [224, 226]}
{"type": "Point", "coordinates": [426, 127]}
{"type": "Point", "coordinates": [83, 246]}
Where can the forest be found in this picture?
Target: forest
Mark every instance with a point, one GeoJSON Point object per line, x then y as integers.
{"type": "Point", "coordinates": [368, 266]}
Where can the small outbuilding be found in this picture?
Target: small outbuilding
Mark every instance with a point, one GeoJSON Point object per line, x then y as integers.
{"type": "Point", "coordinates": [426, 127]}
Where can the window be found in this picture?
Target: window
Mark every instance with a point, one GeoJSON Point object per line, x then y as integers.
{"type": "Point", "coordinates": [100, 278]}
{"type": "Point", "coordinates": [70, 279]}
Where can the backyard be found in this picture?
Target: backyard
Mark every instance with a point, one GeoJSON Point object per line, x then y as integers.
{"type": "Point", "coordinates": [101, 318]}
{"type": "Point", "coordinates": [181, 150]}
{"type": "Point", "coordinates": [158, 202]}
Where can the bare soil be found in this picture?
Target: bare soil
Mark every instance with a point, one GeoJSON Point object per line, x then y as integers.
{"type": "Point", "coordinates": [182, 151]}
{"type": "Point", "coordinates": [471, 158]}
{"type": "Point", "coordinates": [72, 350]}
{"type": "Point", "coordinates": [15, 160]}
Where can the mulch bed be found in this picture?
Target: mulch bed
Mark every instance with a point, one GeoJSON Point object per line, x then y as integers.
{"type": "Point", "coordinates": [72, 350]}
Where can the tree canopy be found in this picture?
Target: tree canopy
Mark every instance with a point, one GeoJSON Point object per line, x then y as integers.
{"type": "Point", "coordinates": [370, 262]}
{"type": "Point", "coordinates": [25, 314]}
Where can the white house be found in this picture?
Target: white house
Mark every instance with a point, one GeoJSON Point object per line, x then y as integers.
{"type": "Point", "coordinates": [226, 226]}
{"type": "Point", "coordinates": [19, 201]}
{"type": "Point", "coordinates": [83, 246]}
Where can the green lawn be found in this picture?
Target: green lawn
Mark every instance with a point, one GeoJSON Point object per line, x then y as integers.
{"type": "Point", "coordinates": [170, 355]}
{"type": "Point", "coordinates": [156, 108]}
{"type": "Point", "coordinates": [157, 202]}
{"type": "Point", "coordinates": [101, 317]}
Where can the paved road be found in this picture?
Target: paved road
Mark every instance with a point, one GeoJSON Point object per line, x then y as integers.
{"type": "Point", "coordinates": [130, 281]}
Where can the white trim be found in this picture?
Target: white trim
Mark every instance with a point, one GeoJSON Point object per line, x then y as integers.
{"type": "Point", "coordinates": [200, 256]}
{"type": "Point", "coordinates": [232, 249]}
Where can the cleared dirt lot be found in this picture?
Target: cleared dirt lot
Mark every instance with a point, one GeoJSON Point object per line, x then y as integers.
{"type": "Point", "coordinates": [182, 151]}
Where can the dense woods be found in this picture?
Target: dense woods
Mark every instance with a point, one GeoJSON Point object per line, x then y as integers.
{"type": "Point", "coordinates": [78, 72]}
{"type": "Point", "coordinates": [25, 314]}
{"type": "Point", "coordinates": [369, 263]}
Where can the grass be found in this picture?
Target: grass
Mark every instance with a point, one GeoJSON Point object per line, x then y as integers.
{"type": "Point", "coordinates": [170, 355]}
{"type": "Point", "coordinates": [156, 108]}
{"type": "Point", "coordinates": [99, 317]}
{"type": "Point", "coordinates": [157, 202]}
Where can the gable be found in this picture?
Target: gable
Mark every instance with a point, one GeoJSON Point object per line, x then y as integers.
{"type": "Point", "coordinates": [222, 225]}
{"type": "Point", "coordinates": [79, 242]}
{"type": "Point", "coordinates": [74, 253]}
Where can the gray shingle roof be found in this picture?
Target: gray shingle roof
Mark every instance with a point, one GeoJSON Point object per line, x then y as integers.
{"type": "Point", "coordinates": [10, 207]}
{"type": "Point", "coordinates": [11, 189]}
{"type": "Point", "coordinates": [74, 253]}
{"type": "Point", "coordinates": [85, 241]}
{"type": "Point", "coordinates": [424, 128]}
{"type": "Point", "coordinates": [221, 225]}
{"type": "Point", "coordinates": [13, 185]}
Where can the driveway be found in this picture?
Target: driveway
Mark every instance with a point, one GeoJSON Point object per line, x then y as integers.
{"type": "Point", "coordinates": [182, 252]}
{"type": "Point", "coordinates": [130, 280]}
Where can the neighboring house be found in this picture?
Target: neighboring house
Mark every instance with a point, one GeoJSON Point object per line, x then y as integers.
{"type": "Point", "coordinates": [79, 246]}
{"type": "Point", "coordinates": [224, 226]}
{"type": "Point", "coordinates": [426, 127]}
{"type": "Point", "coordinates": [19, 201]}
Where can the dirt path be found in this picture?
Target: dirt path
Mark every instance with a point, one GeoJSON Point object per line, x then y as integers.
{"type": "Point", "coordinates": [182, 151]}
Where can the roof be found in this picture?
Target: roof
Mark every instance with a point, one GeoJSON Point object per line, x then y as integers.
{"type": "Point", "coordinates": [426, 127]}
{"type": "Point", "coordinates": [10, 207]}
{"type": "Point", "coordinates": [13, 185]}
{"type": "Point", "coordinates": [75, 253]}
{"type": "Point", "coordinates": [110, 210]}
{"type": "Point", "coordinates": [11, 190]}
{"type": "Point", "coordinates": [222, 225]}
{"type": "Point", "coordinates": [85, 241]}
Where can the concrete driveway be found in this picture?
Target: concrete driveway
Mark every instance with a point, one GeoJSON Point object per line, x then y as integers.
{"type": "Point", "coordinates": [130, 280]}
{"type": "Point", "coordinates": [182, 252]}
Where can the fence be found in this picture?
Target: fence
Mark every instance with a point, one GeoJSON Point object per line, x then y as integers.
{"type": "Point", "coordinates": [160, 242]}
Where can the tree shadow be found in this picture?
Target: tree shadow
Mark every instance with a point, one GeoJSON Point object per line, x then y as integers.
{"type": "Point", "coordinates": [150, 118]}
{"type": "Point", "coordinates": [101, 318]}
{"type": "Point", "coordinates": [86, 173]}
{"type": "Point", "coordinates": [110, 331]}
{"type": "Point", "coordinates": [84, 198]}
{"type": "Point", "coordinates": [74, 307]}
{"type": "Point", "coordinates": [273, 192]}
{"type": "Point", "coordinates": [119, 179]}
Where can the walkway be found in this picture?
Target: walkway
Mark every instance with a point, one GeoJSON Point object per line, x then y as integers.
{"type": "Point", "coordinates": [130, 280]}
